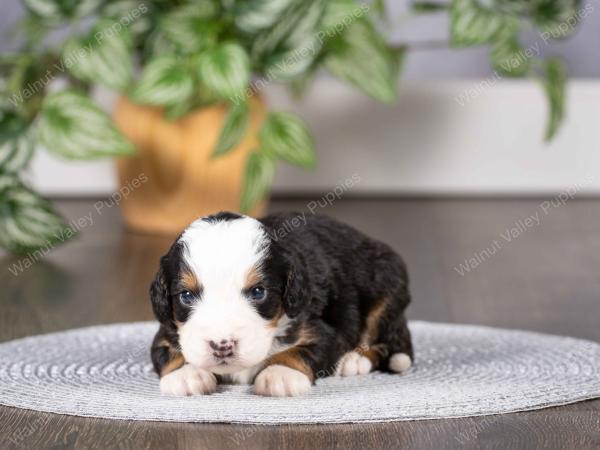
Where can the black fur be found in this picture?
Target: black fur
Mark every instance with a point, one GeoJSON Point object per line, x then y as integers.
{"type": "Point", "coordinates": [336, 276]}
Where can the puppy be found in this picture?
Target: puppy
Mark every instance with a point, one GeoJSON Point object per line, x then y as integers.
{"type": "Point", "coordinates": [277, 302]}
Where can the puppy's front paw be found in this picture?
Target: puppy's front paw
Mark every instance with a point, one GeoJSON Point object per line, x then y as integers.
{"type": "Point", "coordinates": [188, 380]}
{"type": "Point", "coordinates": [281, 381]}
{"type": "Point", "coordinates": [353, 363]}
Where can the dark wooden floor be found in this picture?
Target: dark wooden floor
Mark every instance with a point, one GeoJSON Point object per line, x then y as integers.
{"type": "Point", "coordinates": [545, 279]}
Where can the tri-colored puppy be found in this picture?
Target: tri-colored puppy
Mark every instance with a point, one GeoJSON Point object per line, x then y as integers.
{"type": "Point", "coordinates": [241, 300]}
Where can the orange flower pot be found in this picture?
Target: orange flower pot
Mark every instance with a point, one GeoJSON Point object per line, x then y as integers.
{"type": "Point", "coordinates": [178, 181]}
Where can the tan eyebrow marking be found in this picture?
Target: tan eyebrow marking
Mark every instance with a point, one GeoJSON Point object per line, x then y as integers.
{"type": "Point", "coordinates": [253, 277]}
{"type": "Point", "coordinates": [189, 281]}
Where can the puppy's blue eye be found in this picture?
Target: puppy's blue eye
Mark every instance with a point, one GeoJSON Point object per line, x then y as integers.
{"type": "Point", "coordinates": [187, 298]}
{"type": "Point", "coordinates": [258, 293]}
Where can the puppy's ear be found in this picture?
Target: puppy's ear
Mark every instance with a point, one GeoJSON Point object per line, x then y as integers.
{"type": "Point", "coordinates": [297, 292]}
{"type": "Point", "coordinates": [159, 294]}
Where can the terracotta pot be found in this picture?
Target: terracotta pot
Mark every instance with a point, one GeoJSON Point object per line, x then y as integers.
{"type": "Point", "coordinates": [177, 179]}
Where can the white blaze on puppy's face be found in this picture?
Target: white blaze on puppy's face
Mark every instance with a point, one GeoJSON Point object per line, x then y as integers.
{"type": "Point", "coordinates": [222, 254]}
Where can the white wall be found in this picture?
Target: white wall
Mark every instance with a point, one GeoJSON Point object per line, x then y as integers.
{"type": "Point", "coordinates": [427, 143]}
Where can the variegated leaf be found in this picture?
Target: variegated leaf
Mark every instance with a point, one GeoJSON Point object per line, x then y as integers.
{"type": "Point", "coordinates": [225, 70]}
{"type": "Point", "coordinates": [298, 23]}
{"type": "Point", "coordinates": [191, 27]}
{"type": "Point", "coordinates": [472, 23]}
{"type": "Point", "coordinates": [27, 221]}
{"type": "Point", "coordinates": [252, 16]}
{"type": "Point", "coordinates": [360, 57]}
{"type": "Point", "coordinates": [72, 126]}
{"type": "Point", "coordinates": [58, 10]}
{"type": "Point", "coordinates": [103, 57]}
{"type": "Point", "coordinates": [233, 129]}
{"type": "Point", "coordinates": [258, 178]}
{"type": "Point", "coordinates": [555, 87]}
{"type": "Point", "coordinates": [285, 135]}
{"type": "Point", "coordinates": [509, 58]}
{"type": "Point", "coordinates": [339, 14]}
{"type": "Point", "coordinates": [164, 81]}
{"type": "Point", "coordinates": [136, 14]}
{"type": "Point", "coordinates": [558, 18]}
{"type": "Point", "coordinates": [16, 142]}
{"type": "Point", "coordinates": [290, 64]}
{"type": "Point", "coordinates": [306, 28]}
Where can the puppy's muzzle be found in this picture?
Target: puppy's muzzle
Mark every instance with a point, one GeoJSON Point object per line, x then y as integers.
{"type": "Point", "coordinates": [223, 349]}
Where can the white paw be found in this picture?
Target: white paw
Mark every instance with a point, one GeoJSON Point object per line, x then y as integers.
{"type": "Point", "coordinates": [400, 362]}
{"type": "Point", "coordinates": [353, 363]}
{"type": "Point", "coordinates": [188, 380]}
{"type": "Point", "coordinates": [281, 381]}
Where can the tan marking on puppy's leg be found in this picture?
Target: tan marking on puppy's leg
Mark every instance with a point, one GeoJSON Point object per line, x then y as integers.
{"type": "Point", "coordinates": [174, 363]}
{"type": "Point", "coordinates": [371, 330]}
{"type": "Point", "coordinates": [293, 359]}
{"type": "Point", "coordinates": [372, 355]}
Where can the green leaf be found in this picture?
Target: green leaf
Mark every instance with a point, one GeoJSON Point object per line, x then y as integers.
{"type": "Point", "coordinates": [258, 178]}
{"type": "Point", "coordinates": [306, 25]}
{"type": "Point", "coordinates": [559, 18]}
{"type": "Point", "coordinates": [300, 84]}
{"type": "Point", "coordinates": [509, 58]}
{"type": "Point", "coordinates": [225, 70]}
{"type": "Point", "coordinates": [233, 129]}
{"type": "Point", "coordinates": [252, 16]}
{"type": "Point", "coordinates": [55, 11]}
{"type": "Point", "coordinates": [137, 15]}
{"type": "Point", "coordinates": [191, 27]}
{"type": "Point", "coordinates": [555, 88]}
{"type": "Point", "coordinates": [103, 57]}
{"type": "Point", "coordinates": [339, 14]}
{"type": "Point", "coordinates": [164, 81]}
{"type": "Point", "coordinates": [72, 126]}
{"type": "Point", "coordinates": [380, 9]}
{"type": "Point", "coordinates": [428, 7]}
{"type": "Point", "coordinates": [16, 143]}
{"type": "Point", "coordinates": [361, 57]}
{"type": "Point", "coordinates": [286, 136]}
{"type": "Point", "coordinates": [27, 221]}
{"type": "Point", "coordinates": [290, 64]}
{"type": "Point", "coordinates": [472, 23]}
{"type": "Point", "coordinates": [181, 109]}
{"type": "Point", "coordinates": [296, 26]}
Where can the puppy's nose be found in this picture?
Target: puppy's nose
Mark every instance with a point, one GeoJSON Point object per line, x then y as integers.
{"type": "Point", "coordinates": [222, 349]}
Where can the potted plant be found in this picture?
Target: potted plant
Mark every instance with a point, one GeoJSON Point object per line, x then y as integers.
{"type": "Point", "coordinates": [191, 118]}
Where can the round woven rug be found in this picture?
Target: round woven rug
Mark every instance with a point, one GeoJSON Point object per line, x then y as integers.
{"type": "Point", "coordinates": [460, 370]}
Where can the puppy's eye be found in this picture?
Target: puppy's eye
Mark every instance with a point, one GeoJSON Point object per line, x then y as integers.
{"type": "Point", "coordinates": [258, 293]}
{"type": "Point", "coordinates": [186, 298]}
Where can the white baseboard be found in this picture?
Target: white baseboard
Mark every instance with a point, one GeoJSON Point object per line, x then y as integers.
{"type": "Point", "coordinates": [428, 143]}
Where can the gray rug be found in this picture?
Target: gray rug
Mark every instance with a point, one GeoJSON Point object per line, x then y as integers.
{"type": "Point", "coordinates": [460, 370]}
